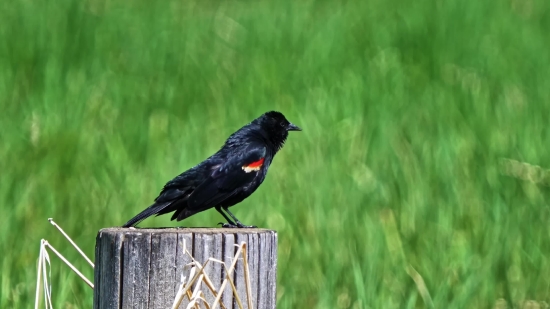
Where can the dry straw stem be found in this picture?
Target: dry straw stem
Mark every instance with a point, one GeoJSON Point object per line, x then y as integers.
{"type": "Point", "coordinates": [183, 292]}
{"type": "Point", "coordinates": [72, 242]}
{"type": "Point", "coordinates": [47, 285]}
{"type": "Point", "coordinates": [39, 270]}
{"type": "Point", "coordinates": [44, 261]}
{"type": "Point", "coordinates": [205, 278]}
{"type": "Point", "coordinates": [196, 293]}
{"type": "Point", "coordinates": [247, 278]}
{"type": "Point", "coordinates": [233, 288]}
{"type": "Point", "coordinates": [228, 278]}
{"type": "Point", "coordinates": [200, 276]}
{"type": "Point", "coordinates": [88, 282]}
{"type": "Point", "coordinates": [43, 258]}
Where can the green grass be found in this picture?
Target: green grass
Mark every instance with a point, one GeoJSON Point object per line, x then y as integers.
{"type": "Point", "coordinates": [406, 106]}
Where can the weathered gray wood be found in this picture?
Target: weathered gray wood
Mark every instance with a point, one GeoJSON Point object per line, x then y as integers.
{"type": "Point", "coordinates": [162, 268]}
{"type": "Point", "coordinates": [239, 275]}
{"type": "Point", "coordinates": [252, 242]}
{"type": "Point", "coordinates": [107, 282]}
{"type": "Point", "coordinates": [135, 270]}
{"type": "Point", "coordinates": [253, 261]}
{"type": "Point", "coordinates": [229, 250]}
{"type": "Point", "coordinates": [209, 246]}
{"type": "Point", "coordinates": [182, 260]}
{"type": "Point", "coordinates": [262, 264]}
{"type": "Point", "coordinates": [271, 270]}
{"type": "Point", "coordinates": [142, 268]}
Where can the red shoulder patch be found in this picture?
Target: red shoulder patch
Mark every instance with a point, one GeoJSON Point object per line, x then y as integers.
{"type": "Point", "coordinates": [254, 166]}
{"type": "Point", "coordinates": [258, 163]}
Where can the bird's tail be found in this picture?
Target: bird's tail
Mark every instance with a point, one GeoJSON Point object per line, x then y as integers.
{"type": "Point", "coordinates": [149, 211]}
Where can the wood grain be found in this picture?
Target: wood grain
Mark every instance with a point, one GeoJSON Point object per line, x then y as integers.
{"type": "Point", "coordinates": [143, 268]}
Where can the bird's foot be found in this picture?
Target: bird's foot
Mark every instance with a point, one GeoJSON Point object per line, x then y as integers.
{"type": "Point", "coordinates": [237, 225]}
{"type": "Point", "coordinates": [240, 225]}
{"type": "Point", "coordinates": [227, 225]}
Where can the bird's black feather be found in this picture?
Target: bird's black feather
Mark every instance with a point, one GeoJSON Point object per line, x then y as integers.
{"type": "Point", "coordinates": [228, 176]}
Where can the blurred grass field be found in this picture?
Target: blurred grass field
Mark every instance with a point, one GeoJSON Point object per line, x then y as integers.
{"type": "Point", "coordinates": [407, 109]}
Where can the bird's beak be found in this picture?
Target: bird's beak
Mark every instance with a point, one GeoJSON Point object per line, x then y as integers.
{"type": "Point", "coordinates": [293, 127]}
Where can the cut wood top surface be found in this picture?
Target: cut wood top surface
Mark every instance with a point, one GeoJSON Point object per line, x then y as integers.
{"type": "Point", "coordinates": [201, 230]}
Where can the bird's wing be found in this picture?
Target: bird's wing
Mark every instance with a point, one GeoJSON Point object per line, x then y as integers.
{"type": "Point", "coordinates": [166, 202]}
{"type": "Point", "coordinates": [178, 189]}
{"type": "Point", "coordinates": [229, 178]}
{"type": "Point", "coordinates": [174, 190]}
{"type": "Point", "coordinates": [183, 184]}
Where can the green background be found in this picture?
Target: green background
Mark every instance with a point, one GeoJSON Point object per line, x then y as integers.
{"type": "Point", "coordinates": [408, 109]}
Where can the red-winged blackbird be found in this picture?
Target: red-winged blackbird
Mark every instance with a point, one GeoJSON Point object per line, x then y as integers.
{"type": "Point", "coordinates": [228, 176]}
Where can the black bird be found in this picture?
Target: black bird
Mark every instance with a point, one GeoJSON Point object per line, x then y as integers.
{"type": "Point", "coordinates": [228, 176]}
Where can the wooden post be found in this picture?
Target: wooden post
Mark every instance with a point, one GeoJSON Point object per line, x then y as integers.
{"type": "Point", "coordinates": [143, 268]}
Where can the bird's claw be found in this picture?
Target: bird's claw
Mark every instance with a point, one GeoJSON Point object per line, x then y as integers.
{"type": "Point", "coordinates": [237, 225]}
{"type": "Point", "coordinates": [228, 225]}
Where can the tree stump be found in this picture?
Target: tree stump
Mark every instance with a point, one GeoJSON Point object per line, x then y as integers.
{"type": "Point", "coordinates": [143, 268]}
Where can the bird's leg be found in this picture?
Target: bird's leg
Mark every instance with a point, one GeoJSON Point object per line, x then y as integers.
{"type": "Point", "coordinates": [239, 224]}
{"type": "Point", "coordinates": [230, 223]}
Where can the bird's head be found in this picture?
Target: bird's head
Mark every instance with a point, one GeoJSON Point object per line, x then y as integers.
{"type": "Point", "coordinates": [276, 126]}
